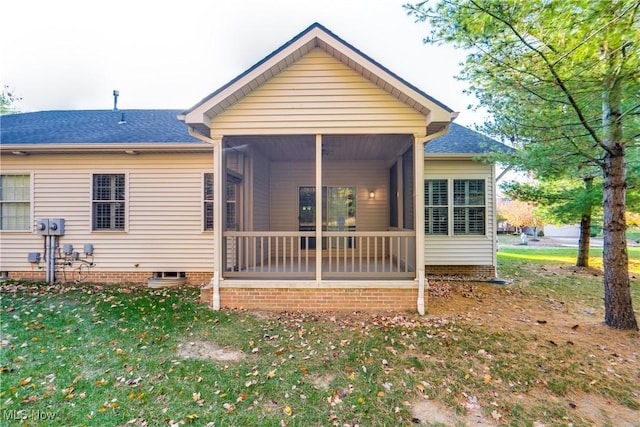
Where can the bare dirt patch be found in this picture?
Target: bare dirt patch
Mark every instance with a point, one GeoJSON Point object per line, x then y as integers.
{"type": "Point", "coordinates": [547, 322]}
{"type": "Point", "coordinates": [432, 412]}
{"type": "Point", "coordinates": [323, 382]}
{"type": "Point", "coordinates": [206, 350]}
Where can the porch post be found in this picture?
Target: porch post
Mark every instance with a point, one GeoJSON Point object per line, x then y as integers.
{"type": "Point", "coordinates": [218, 205]}
{"type": "Point", "coordinates": [318, 208]}
{"type": "Point", "coordinates": [418, 195]}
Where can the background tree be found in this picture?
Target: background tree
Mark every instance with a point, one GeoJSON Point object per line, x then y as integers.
{"type": "Point", "coordinates": [561, 79]}
{"type": "Point", "coordinates": [563, 201]}
{"type": "Point", "coordinates": [518, 213]}
{"type": "Point", "coordinates": [8, 100]}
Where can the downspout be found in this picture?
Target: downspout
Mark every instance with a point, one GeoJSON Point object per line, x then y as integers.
{"type": "Point", "coordinates": [215, 280]}
{"type": "Point", "coordinates": [423, 283]}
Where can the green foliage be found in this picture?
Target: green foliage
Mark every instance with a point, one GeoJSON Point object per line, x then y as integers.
{"type": "Point", "coordinates": [560, 201]}
{"type": "Point", "coordinates": [8, 100]}
{"type": "Point", "coordinates": [543, 69]}
{"type": "Point", "coordinates": [561, 80]}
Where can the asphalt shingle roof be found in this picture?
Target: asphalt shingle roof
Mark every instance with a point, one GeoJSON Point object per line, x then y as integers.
{"type": "Point", "coordinates": [462, 140]}
{"type": "Point", "coordinates": [158, 126]}
{"type": "Point", "coordinates": [94, 126]}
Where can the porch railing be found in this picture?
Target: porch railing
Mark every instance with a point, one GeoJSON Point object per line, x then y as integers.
{"type": "Point", "coordinates": [360, 254]}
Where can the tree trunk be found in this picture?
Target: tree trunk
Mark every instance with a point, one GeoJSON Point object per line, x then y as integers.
{"type": "Point", "coordinates": [617, 293]}
{"type": "Point", "coordinates": [615, 258]}
{"type": "Point", "coordinates": [584, 242]}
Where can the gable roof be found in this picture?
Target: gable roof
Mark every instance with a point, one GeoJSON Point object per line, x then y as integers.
{"type": "Point", "coordinates": [87, 128]}
{"type": "Point", "coordinates": [94, 127]}
{"type": "Point", "coordinates": [317, 36]}
{"type": "Point", "coordinates": [462, 140]}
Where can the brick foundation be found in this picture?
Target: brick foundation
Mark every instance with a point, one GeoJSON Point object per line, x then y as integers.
{"type": "Point", "coordinates": [280, 299]}
{"type": "Point", "coordinates": [122, 277]}
{"type": "Point", "coordinates": [471, 271]}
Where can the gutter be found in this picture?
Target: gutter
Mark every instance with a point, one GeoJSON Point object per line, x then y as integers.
{"type": "Point", "coordinates": [35, 148]}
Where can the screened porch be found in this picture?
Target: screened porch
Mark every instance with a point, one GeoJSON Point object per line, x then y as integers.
{"type": "Point", "coordinates": [364, 207]}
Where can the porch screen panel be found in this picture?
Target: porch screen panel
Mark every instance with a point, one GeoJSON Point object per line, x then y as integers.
{"type": "Point", "coordinates": [436, 207]}
{"type": "Point", "coordinates": [407, 189]}
{"type": "Point", "coordinates": [393, 195]}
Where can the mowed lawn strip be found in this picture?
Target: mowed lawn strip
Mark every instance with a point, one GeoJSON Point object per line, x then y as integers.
{"type": "Point", "coordinates": [109, 355]}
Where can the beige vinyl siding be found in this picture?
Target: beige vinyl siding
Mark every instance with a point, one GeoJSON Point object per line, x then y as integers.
{"type": "Point", "coordinates": [286, 178]}
{"type": "Point", "coordinates": [318, 94]}
{"type": "Point", "coordinates": [163, 214]}
{"type": "Point", "coordinates": [462, 250]}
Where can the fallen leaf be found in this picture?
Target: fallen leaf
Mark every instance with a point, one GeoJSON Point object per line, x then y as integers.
{"type": "Point", "coordinates": [287, 410]}
{"type": "Point", "coordinates": [25, 381]}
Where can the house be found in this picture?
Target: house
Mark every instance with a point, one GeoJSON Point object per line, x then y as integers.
{"type": "Point", "coordinates": [316, 179]}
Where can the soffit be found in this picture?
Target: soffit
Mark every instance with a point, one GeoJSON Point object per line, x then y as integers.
{"type": "Point", "coordinates": [334, 147]}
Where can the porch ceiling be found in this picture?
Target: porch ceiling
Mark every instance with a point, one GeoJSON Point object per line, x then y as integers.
{"type": "Point", "coordinates": [334, 147]}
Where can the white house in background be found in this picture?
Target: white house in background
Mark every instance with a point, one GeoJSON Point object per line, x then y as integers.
{"type": "Point", "coordinates": [316, 179]}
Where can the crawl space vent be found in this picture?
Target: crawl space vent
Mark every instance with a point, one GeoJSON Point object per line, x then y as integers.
{"type": "Point", "coordinates": [167, 279]}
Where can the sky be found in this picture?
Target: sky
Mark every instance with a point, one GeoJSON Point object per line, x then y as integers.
{"type": "Point", "coordinates": [72, 54]}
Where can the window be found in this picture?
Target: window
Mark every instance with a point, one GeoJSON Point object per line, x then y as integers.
{"type": "Point", "coordinates": [469, 207]}
{"type": "Point", "coordinates": [15, 205]}
{"type": "Point", "coordinates": [231, 214]}
{"type": "Point", "coordinates": [108, 201]}
{"type": "Point", "coordinates": [208, 201]}
{"type": "Point", "coordinates": [436, 215]}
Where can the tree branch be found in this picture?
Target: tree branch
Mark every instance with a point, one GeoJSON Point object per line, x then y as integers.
{"type": "Point", "coordinates": [556, 77]}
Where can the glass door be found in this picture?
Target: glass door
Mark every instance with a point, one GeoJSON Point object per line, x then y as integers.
{"type": "Point", "coordinates": [338, 212]}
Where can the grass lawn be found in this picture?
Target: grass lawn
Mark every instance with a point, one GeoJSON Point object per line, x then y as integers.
{"type": "Point", "coordinates": [533, 351]}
